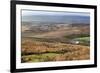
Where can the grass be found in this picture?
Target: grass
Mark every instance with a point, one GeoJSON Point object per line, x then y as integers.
{"type": "Point", "coordinates": [40, 57]}
{"type": "Point", "coordinates": [76, 36]}
{"type": "Point", "coordinates": [83, 38]}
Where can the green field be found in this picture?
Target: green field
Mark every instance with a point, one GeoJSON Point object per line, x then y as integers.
{"type": "Point", "coordinates": [84, 40]}
{"type": "Point", "coordinates": [40, 57]}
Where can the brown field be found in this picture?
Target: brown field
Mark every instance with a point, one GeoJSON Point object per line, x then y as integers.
{"type": "Point", "coordinates": [35, 51]}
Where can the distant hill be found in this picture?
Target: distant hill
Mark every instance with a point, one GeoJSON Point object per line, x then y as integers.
{"type": "Point", "coordinates": [56, 19]}
{"type": "Point", "coordinates": [43, 27]}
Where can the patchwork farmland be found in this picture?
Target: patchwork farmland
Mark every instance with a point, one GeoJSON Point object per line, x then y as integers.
{"type": "Point", "coordinates": [54, 42]}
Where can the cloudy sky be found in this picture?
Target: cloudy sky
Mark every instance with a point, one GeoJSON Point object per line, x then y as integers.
{"type": "Point", "coordinates": [31, 12]}
{"type": "Point", "coordinates": [55, 17]}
